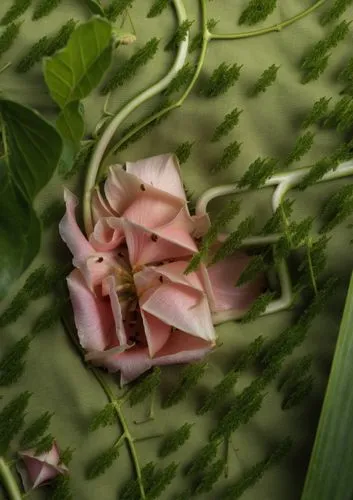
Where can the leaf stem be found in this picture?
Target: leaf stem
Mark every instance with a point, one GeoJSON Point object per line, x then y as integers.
{"type": "Point", "coordinates": [311, 268]}
{"type": "Point", "coordinates": [8, 481]}
{"type": "Point", "coordinates": [270, 29]}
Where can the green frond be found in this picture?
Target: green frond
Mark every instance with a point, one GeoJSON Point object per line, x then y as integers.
{"type": "Point", "coordinates": [256, 472]}
{"type": "Point", "coordinates": [47, 319]}
{"type": "Point", "coordinates": [102, 463]}
{"type": "Point", "coordinates": [44, 445]}
{"type": "Point", "coordinates": [157, 8]}
{"type": "Point", "coordinates": [337, 208]}
{"type": "Point", "coordinates": [230, 154]}
{"type": "Point", "coordinates": [44, 8]}
{"type": "Point", "coordinates": [258, 307]}
{"type": "Point", "coordinates": [52, 213]}
{"type": "Point", "coordinates": [295, 395]}
{"type": "Point", "coordinates": [16, 10]}
{"type": "Point", "coordinates": [203, 458]}
{"type": "Point", "coordinates": [316, 173]}
{"type": "Point", "coordinates": [230, 121]}
{"type": "Point", "coordinates": [34, 55]}
{"type": "Point", "coordinates": [61, 489]}
{"type": "Point", "coordinates": [282, 213]}
{"type": "Point", "coordinates": [256, 11]}
{"type": "Point", "coordinates": [130, 67]}
{"type": "Point", "coordinates": [335, 11]}
{"type": "Point", "coordinates": [12, 363]}
{"type": "Point", "coordinates": [59, 40]}
{"type": "Point", "coordinates": [346, 74]}
{"type": "Point", "coordinates": [296, 235]}
{"type": "Point", "coordinates": [301, 147]}
{"type": "Point", "coordinates": [318, 303]}
{"type": "Point", "coordinates": [81, 160]}
{"type": "Point", "coordinates": [144, 388]}
{"type": "Point", "coordinates": [8, 37]}
{"type": "Point", "coordinates": [338, 34]}
{"type": "Point", "coordinates": [258, 172]}
{"type": "Point", "coordinates": [296, 372]}
{"type": "Point", "coordinates": [161, 479]}
{"type": "Point", "coordinates": [267, 79]}
{"type": "Point", "coordinates": [116, 8]}
{"type": "Point", "coordinates": [173, 441]}
{"type": "Point", "coordinates": [104, 418]}
{"type": "Point", "coordinates": [183, 151]}
{"type": "Point", "coordinates": [258, 265]}
{"type": "Point", "coordinates": [234, 240]}
{"type": "Point", "coordinates": [221, 80]}
{"type": "Point", "coordinates": [224, 217]}
{"type": "Point", "coordinates": [196, 43]}
{"type": "Point", "coordinates": [181, 79]}
{"type": "Point", "coordinates": [210, 477]}
{"type": "Point", "coordinates": [318, 112]}
{"type": "Point", "coordinates": [35, 430]}
{"type": "Point", "coordinates": [66, 456]}
{"type": "Point", "coordinates": [12, 419]}
{"type": "Point", "coordinates": [189, 377]}
{"type": "Point", "coordinates": [179, 36]}
{"type": "Point", "coordinates": [314, 262]}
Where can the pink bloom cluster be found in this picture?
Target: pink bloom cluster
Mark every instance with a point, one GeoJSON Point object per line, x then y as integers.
{"type": "Point", "coordinates": [134, 307]}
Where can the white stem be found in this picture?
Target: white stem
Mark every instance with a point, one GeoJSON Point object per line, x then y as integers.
{"type": "Point", "coordinates": [109, 132]}
{"type": "Point", "coordinates": [283, 182]}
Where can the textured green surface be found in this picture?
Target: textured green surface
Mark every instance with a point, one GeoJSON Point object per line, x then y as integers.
{"type": "Point", "coordinates": [268, 126]}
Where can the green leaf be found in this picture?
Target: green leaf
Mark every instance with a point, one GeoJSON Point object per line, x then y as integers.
{"type": "Point", "coordinates": [330, 470]}
{"type": "Point", "coordinates": [18, 8]}
{"type": "Point", "coordinates": [144, 388]}
{"type": "Point", "coordinates": [106, 417]}
{"type": "Point", "coordinates": [35, 430]}
{"type": "Point", "coordinates": [12, 419]}
{"type": "Point", "coordinates": [95, 7]}
{"type": "Point", "coordinates": [32, 143]}
{"type": "Point", "coordinates": [102, 462]}
{"type": "Point", "coordinates": [173, 441]}
{"type": "Point", "coordinates": [71, 124]}
{"type": "Point", "coordinates": [74, 72]}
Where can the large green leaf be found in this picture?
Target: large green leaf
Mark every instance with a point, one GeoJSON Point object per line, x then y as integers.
{"type": "Point", "coordinates": [19, 231]}
{"type": "Point", "coordinates": [95, 7]}
{"type": "Point", "coordinates": [73, 72]}
{"type": "Point", "coordinates": [34, 147]}
{"type": "Point", "coordinates": [330, 475]}
{"type": "Point", "coordinates": [70, 123]}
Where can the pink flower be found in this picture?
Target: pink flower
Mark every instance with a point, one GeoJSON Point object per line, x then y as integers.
{"type": "Point", "coordinates": [40, 469]}
{"type": "Point", "coordinates": [134, 307]}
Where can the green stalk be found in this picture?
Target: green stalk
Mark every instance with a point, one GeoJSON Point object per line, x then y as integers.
{"type": "Point", "coordinates": [270, 29]}
{"type": "Point", "coordinates": [8, 481]}
{"type": "Point", "coordinates": [311, 269]}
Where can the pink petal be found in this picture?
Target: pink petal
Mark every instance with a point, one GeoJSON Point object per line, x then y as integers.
{"type": "Point", "coordinates": [107, 234]}
{"type": "Point", "coordinates": [116, 309]}
{"type": "Point", "coordinates": [223, 277]}
{"type": "Point", "coordinates": [202, 224]}
{"type": "Point", "coordinates": [182, 348]}
{"type": "Point", "coordinates": [97, 267]}
{"type": "Point", "coordinates": [182, 307]}
{"type": "Point", "coordinates": [131, 363]}
{"type": "Point", "coordinates": [70, 232]}
{"type": "Point", "coordinates": [157, 333]}
{"type": "Point", "coordinates": [162, 172]}
{"type": "Point", "coordinates": [93, 315]}
{"type": "Point", "coordinates": [100, 208]}
{"type": "Point", "coordinates": [121, 189]}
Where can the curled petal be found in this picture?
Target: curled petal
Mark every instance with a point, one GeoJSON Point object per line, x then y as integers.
{"type": "Point", "coordinates": [157, 333]}
{"type": "Point", "coordinates": [116, 309]}
{"type": "Point", "coordinates": [162, 172]}
{"type": "Point", "coordinates": [183, 348]}
{"type": "Point", "coordinates": [100, 207]}
{"type": "Point", "coordinates": [107, 234]}
{"type": "Point", "coordinates": [223, 277]}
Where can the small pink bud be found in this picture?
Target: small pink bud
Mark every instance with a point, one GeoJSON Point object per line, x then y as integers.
{"type": "Point", "coordinates": [40, 469]}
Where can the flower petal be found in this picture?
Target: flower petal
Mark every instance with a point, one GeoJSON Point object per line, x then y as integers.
{"type": "Point", "coordinates": [182, 348]}
{"type": "Point", "coordinates": [131, 363]}
{"type": "Point", "coordinates": [93, 315]}
{"type": "Point", "coordinates": [116, 310]}
{"type": "Point", "coordinates": [107, 234]}
{"type": "Point", "coordinates": [157, 333]}
{"type": "Point", "coordinates": [162, 172]}
{"type": "Point", "coordinates": [70, 232]}
{"type": "Point", "coordinates": [223, 277]}
{"type": "Point", "coordinates": [100, 208]}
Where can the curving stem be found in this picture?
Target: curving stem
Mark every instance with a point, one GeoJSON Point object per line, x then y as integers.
{"type": "Point", "coordinates": [8, 481]}
{"type": "Point", "coordinates": [109, 132]}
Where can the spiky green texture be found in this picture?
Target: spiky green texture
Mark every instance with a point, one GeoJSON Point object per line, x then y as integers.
{"type": "Point", "coordinates": [196, 42]}
{"type": "Point", "coordinates": [47, 319]}
{"type": "Point", "coordinates": [44, 445]}
{"type": "Point", "coordinates": [35, 431]}
{"type": "Point", "coordinates": [335, 11]}
{"type": "Point", "coordinates": [337, 208]}
{"type": "Point", "coordinates": [8, 37]}
{"type": "Point", "coordinates": [181, 79]}
{"type": "Point", "coordinates": [44, 8]}
{"type": "Point", "coordinates": [230, 154]}
{"type": "Point", "coordinates": [221, 80]}
{"type": "Point", "coordinates": [16, 10]}
{"type": "Point", "coordinates": [155, 481]}
{"type": "Point", "coordinates": [52, 214]}
{"type": "Point", "coordinates": [183, 151]}
{"type": "Point", "coordinates": [220, 392]}
{"type": "Point", "coordinates": [302, 146]}
{"type": "Point", "coordinates": [102, 463]}
{"type": "Point", "coordinates": [255, 473]}
{"type": "Point", "coordinates": [258, 172]}
{"type": "Point", "coordinates": [203, 458]}
{"type": "Point", "coordinates": [297, 234]}
{"type": "Point", "coordinates": [258, 264]}
{"type": "Point", "coordinates": [61, 488]}
{"type": "Point", "coordinates": [318, 112]}
{"type": "Point", "coordinates": [188, 379]}
{"type": "Point", "coordinates": [346, 74]}
{"type": "Point", "coordinates": [12, 363]}
{"type": "Point", "coordinates": [115, 8]}
{"type": "Point", "coordinates": [282, 213]}
{"type": "Point", "coordinates": [256, 11]}
{"type": "Point", "coordinates": [210, 477]}
{"type": "Point", "coordinates": [81, 160]}
{"type": "Point", "coordinates": [296, 372]}
{"type": "Point", "coordinates": [157, 8]}
{"type": "Point", "coordinates": [130, 67]}
{"type": "Point", "coordinates": [230, 121]}
{"type": "Point", "coordinates": [173, 441]}
{"type": "Point", "coordinates": [267, 79]}
{"type": "Point", "coordinates": [141, 390]}
{"type": "Point", "coordinates": [223, 218]}
{"type": "Point", "coordinates": [179, 36]}
{"type": "Point", "coordinates": [295, 395]}
{"type": "Point", "coordinates": [258, 307]}
{"type": "Point", "coordinates": [66, 456]}
{"type": "Point", "coordinates": [234, 240]}
{"type": "Point", "coordinates": [314, 263]}
{"type": "Point", "coordinates": [104, 418]}
{"type": "Point", "coordinates": [12, 419]}
{"type": "Point", "coordinates": [59, 40]}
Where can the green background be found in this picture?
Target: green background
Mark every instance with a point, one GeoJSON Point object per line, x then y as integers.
{"type": "Point", "coordinates": [268, 126]}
